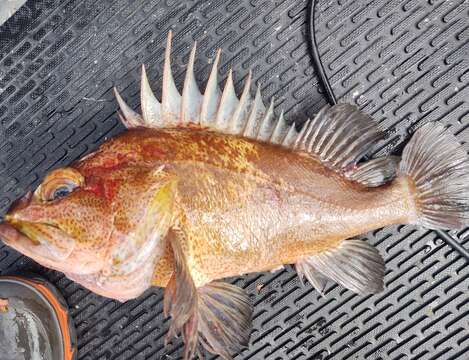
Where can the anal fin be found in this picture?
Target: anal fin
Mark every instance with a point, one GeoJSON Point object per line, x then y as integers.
{"type": "Point", "coordinates": [308, 271]}
{"type": "Point", "coordinates": [354, 264]}
{"type": "Point", "coordinates": [217, 315]}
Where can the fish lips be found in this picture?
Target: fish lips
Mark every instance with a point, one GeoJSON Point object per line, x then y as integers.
{"type": "Point", "coordinates": [25, 230]}
{"type": "Point", "coordinates": [45, 243]}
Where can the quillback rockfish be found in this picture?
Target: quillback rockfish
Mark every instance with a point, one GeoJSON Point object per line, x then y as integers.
{"type": "Point", "coordinates": [202, 187]}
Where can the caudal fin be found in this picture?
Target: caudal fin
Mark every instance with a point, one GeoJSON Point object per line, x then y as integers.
{"type": "Point", "coordinates": [439, 168]}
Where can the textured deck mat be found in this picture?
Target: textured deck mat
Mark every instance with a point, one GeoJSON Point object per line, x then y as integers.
{"type": "Point", "coordinates": [404, 61]}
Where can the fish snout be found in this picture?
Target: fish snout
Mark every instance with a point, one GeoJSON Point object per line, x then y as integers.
{"type": "Point", "coordinates": [29, 228]}
{"type": "Point", "coordinates": [24, 210]}
{"type": "Point", "coordinates": [18, 205]}
{"type": "Point", "coordinates": [22, 202]}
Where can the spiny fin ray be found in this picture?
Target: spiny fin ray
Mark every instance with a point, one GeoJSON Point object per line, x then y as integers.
{"type": "Point", "coordinates": [130, 117]}
{"type": "Point", "coordinates": [151, 107]}
{"type": "Point", "coordinates": [228, 104]}
{"type": "Point", "coordinates": [211, 96]}
{"type": "Point", "coordinates": [191, 96]}
{"type": "Point", "coordinates": [171, 99]}
{"type": "Point", "coordinates": [240, 116]}
{"type": "Point", "coordinates": [255, 116]}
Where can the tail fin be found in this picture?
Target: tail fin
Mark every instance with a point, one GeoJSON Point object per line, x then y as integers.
{"type": "Point", "coordinates": [439, 168]}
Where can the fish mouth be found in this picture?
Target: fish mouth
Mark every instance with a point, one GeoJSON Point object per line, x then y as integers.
{"type": "Point", "coordinates": [38, 240]}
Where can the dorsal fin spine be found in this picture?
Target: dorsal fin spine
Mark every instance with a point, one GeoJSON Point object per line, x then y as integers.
{"type": "Point", "coordinates": [290, 136]}
{"type": "Point", "coordinates": [279, 131]}
{"type": "Point", "coordinates": [299, 142]}
{"type": "Point", "coordinates": [240, 116]}
{"type": "Point", "coordinates": [132, 118]}
{"type": "Point", "coordinates": [252, 127]}
{"type": "Point", "coordinates": [228, 104]}
{"type": "Point", "coordinates": [191, 97]}
{"type": "Point", "coordinates": [266, 128]}
{"type": "Point", "coordinates": [211, 96]}
{"type": "Point", "coordinates": [171, 99]}
{"type": "Point", "coordinates": [151, 107]}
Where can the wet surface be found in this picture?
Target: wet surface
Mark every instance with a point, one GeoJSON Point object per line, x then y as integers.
{"type": "Point", "coordinates": [28, 328]}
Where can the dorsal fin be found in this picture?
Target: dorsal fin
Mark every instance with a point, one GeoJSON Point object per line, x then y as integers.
{"type": "Point", "coordinates": [339, 136]}
{"type": "Point", "coordinates": [191, 96]}
{"type": "Point", "coordinates": [212, 95]}
{"type": "Point", "coordinates": [170, 97]}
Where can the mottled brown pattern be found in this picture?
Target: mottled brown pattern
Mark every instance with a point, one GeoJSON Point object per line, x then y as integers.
{"type": "Point", "coordinates": [244, 206]}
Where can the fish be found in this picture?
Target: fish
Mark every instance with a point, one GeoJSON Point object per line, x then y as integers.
{"type": "Point", "coordinates": [203, 187]}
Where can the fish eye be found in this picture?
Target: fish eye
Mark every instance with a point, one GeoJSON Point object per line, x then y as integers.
{"type": "Point", "coordinates": [61, 192]}
{"type": "Point", "coordinates": [59, 183]}
{"type": "Point", "coordinates": [58, 189]}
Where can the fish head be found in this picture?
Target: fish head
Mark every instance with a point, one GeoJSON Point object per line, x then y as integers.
{"type": "Point", "coordinates": [60, 218]}
{"type": "Point", "coordinates": [101, 225]}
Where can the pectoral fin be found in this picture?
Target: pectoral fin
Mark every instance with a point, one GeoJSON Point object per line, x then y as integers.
{"type": "Point", "coordinates": [216, 316]}
{"type": "Point", "coordinates": [180, 297]}
{"type": "Point", "coordinates": [354, 264]}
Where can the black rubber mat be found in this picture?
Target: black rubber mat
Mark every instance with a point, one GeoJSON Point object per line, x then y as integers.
{"type": "Point", "coordinates": [403, 61]}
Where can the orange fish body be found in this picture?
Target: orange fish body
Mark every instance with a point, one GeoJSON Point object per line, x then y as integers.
{"type": "Point", "coordinates": [246, 206]}
{"type": "Point", "coordinates": [203, 187]}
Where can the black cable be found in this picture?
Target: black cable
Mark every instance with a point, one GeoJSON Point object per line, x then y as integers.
{"type": "Point", "coordinates": [314, 52]}
{"type": "Point", "coordinates": [329, 93]}
{"type": "Point", "coordinates": [451, 241]}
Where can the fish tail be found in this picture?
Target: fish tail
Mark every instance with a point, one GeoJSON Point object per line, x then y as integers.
{"type": "Point", "coordinates": [438, 166]}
